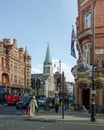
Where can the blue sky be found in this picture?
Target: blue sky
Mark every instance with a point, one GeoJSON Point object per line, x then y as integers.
{"type": "Point", "coordinates": [35, 22]}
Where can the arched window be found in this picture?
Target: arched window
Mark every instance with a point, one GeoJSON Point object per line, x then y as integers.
{"type": "Point", "coordinates": [87, 20]}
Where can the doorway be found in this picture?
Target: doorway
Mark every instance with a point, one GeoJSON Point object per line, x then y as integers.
{"type": "Point", "coordinates": [86, 98]}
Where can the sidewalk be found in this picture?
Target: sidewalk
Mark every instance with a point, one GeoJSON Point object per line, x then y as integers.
{"type": "Point", "coordinates": [70, 116]}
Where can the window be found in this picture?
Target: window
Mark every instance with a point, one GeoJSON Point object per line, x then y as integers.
{"type": "Point", "coordinates": [28, 72]}
{"type": "Point", "coordinates": [15, 53]}
{"type": "Point", "coordinates": [102, 63]}
{"type": "Point", "coordinates": [47, 70]}
{"type": "Point", "coordinates": [86, 53]}
{"type": "Point", "coordinates": [15, 66]}
{"type": "Point", "coordinates": [28, 83]}
{"type": "Point", "coordinates": [87, 20]}
{"type": "Point", "coordinates": [15, 79]}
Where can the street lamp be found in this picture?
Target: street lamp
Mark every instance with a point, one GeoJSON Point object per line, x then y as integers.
{"type": "Point", "coordinates": [61, 82]}
{"type": "Point", "coordinates": [63, 95]}
{"type": "Point", "coordinates": [93, 92]}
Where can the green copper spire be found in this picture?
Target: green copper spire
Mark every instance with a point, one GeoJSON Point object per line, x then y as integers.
{"type": "Point", "coordinates": [47, 57]}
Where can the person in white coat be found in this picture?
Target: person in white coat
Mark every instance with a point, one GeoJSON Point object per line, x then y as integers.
{"type": "Point", "coordinates": [33, 106]}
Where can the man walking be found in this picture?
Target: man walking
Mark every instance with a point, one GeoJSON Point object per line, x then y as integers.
{"type": "Point", "coordinates": [57, 103]}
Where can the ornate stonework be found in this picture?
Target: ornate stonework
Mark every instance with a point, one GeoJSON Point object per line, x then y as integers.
{"type": "Point", "coordinates": [15, 68]}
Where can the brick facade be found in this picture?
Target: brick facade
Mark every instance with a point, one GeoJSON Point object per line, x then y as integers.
{"type": "Point", "coordinates": [15, 68]}
{"type": "Point", "coordinates": [85, 37]}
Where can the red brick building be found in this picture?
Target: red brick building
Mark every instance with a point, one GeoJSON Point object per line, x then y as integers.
{"type": "Point", "coordinates": [15, 68]}
{"type": "Point", "coordinates": [84, 26]}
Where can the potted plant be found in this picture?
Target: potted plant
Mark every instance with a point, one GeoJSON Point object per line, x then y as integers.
{"type": "Point", "coordinates": [99, 82]}
{"type": "Point", "coordinates": [83, 83]}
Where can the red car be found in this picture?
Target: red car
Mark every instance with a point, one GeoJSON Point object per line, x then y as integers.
{"type": "Point", "coordinates": [12, 100]}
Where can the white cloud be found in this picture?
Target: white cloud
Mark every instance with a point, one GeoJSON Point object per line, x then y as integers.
{"type": "Point", "coordinates": [57, 67]}
{"type": "Point", "coordinates": [37, 69]}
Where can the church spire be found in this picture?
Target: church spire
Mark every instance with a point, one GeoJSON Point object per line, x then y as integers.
{"type": "Point", "coordinates": [47, 57]}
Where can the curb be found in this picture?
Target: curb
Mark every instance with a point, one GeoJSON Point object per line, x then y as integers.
{"type": "Point", "coordinates": [66, 119]}
{"type": "Point", "coordinates": [57, 118]}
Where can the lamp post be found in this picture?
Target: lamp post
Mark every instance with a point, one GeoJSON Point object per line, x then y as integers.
{"type": "Point", "coordinates": [60, 74]}
{"type": "Point", "coordinates": [93, 92]}
{"type": "Point", "coordinates": [63, 97]}
{"type": "Point", "coordinates": [62, 88]}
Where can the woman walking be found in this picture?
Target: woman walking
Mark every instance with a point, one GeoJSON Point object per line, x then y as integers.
{"type": "Point", "coordinates": [33, 106]}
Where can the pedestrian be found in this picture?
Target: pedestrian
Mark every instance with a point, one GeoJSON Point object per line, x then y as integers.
{"type": "Point", "coordinates": [57, 103]}
{"type": "Point", "coordinates": [47, 104]}
{"type": "Point", "coordinates": [66, 102]}
{"type": "Point", "coordinates": [33, 106]}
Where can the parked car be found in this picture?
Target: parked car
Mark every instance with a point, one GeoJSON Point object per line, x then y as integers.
{"type": "Point", "coordinates": [12, 99]}
{"type": "Point", "coordinates": [24, 103]}
{"type": "Point", "coordinates": [41, 101]}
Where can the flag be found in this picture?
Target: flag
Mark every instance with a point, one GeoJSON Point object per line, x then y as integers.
{"type": "Point", "coordinates": [73, 39]}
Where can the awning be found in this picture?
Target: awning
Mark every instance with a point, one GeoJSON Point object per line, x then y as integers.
{"type": "Point", "coordinates": [2, 91]}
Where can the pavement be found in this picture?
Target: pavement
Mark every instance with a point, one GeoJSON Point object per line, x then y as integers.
{"type": "Point", "coordinates": [69, 116]}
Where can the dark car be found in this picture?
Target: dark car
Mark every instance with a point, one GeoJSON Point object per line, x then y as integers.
{"type": "Point", "coordinates": [41, 101]}
{"type": "Point", "coordinates": [24, 103]}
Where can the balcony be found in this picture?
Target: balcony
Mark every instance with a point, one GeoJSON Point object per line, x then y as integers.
{"type": "Point", "coordinates": [85, 34]}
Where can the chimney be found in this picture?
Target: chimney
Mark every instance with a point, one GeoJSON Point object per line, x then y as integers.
{"type": "Point", "coordinates": [6, 41]}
